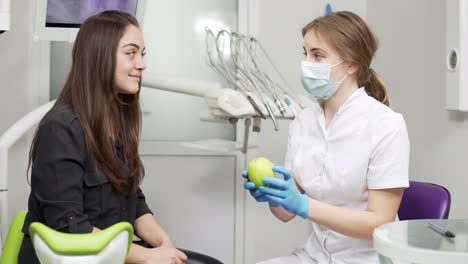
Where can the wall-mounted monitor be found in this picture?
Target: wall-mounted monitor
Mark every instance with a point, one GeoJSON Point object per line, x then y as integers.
{"type": "Point", "coordinates": [60, 20]}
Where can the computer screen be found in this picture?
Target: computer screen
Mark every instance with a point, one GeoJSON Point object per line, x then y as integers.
{"type": "Point", "coordinates": [71, 13]}
{"type": "Point", "coordinates": [59, 20]}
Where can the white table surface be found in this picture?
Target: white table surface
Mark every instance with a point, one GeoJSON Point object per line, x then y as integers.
{"type": "Point", "coordinates": [414, 242]}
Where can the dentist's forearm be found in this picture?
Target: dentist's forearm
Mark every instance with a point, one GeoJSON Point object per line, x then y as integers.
{"type": "Point", "coordinates": [282, 214]}
{"type": "Point", "coordinates": [349, 222]}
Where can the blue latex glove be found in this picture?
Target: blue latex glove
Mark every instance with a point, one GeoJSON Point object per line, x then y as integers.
{"type": "Point", "coordinates": [256, 193]}
{"type": "Point", "coordinates": [285, 193]}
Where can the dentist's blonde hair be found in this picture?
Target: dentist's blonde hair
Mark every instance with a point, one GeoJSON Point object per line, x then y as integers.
{"type": "Point", "coordinates": [352, 38]}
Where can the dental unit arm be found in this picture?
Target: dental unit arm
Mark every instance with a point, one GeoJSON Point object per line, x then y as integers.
{"type": "Point", "coordinates": [223, 103]}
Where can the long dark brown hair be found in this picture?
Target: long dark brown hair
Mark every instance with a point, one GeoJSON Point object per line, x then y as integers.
{"type": "Point", "coordinates": [107, 118]}
{"type": "Point", "coordinates": [352, 38]}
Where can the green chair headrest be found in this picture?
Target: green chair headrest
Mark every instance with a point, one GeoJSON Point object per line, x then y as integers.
{"type": "Point", "coordinates": [79, 244]}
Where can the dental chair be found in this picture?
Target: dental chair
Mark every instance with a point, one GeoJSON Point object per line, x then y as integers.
{"type": "Point", "coordinates": [13, 240]}
{"type": "Point", "coordinates": [110, 245]}
{"type": "Point", "coordinates": [199, 258]}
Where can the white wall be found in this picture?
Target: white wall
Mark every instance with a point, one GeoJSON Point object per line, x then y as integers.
{"type": "Point", "coordinates": [60, 64]}
{"type": "Point", "coordinates": [22, 79]}
{"type": "Point", "coordinates": [17, 73]}
{"type": "Point", "coordinates": [411, 60]}
{"type": "Point", "coordinates": [175, 45]}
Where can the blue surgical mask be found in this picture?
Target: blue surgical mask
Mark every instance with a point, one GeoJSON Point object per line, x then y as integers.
{"type": "Point", "coordinates": [316, 79]}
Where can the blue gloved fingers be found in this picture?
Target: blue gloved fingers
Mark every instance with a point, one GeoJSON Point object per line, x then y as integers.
{"type": "Point", "coordinates": [261, 198]}
{"type": "Point", "coordinates": [249, 185]}
{"type": "Point", "coordinates": [282, 170]}
{"type": "Point", "coordinates": [245, 174]}
{"type": "Point", "coordinates": [272, 192]}
{"type": "Point", "coordinates": [253, 191]}
{"type": "Point", "coordinates": [256, 193]}
{"type": "Point", "coordinates": [275, 183]}
{"type": "Point", "coordinates": [273, 200]}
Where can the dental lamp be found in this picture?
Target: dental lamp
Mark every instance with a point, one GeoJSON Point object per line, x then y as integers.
{"type": "Point", "coordinates": [4, 15]}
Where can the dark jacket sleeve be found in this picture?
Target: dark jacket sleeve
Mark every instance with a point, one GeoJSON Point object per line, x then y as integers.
{"type": "Point", "coordinates": [57, 176]}
{"type": "Point", "coordinates": [141, 206]}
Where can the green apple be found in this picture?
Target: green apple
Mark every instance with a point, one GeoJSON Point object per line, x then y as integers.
{"type": "Point", "coordinates": [258, 169]}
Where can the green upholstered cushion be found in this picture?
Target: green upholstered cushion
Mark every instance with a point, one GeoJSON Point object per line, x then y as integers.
{"type": "Point", "coordinates": [79, 244]}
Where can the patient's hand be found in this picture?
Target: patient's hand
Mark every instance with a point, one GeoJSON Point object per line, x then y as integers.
{"type": "Point", "coordinates": [165, 255]}
{"type": "Point", "coordinates": [167, 243]}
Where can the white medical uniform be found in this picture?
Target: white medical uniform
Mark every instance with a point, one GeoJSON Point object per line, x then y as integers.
{"type": "Point", "coordinates": [364, 147]}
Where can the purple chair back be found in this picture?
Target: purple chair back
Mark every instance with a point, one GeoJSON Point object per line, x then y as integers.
{"type": "Point", "coordinates": [424, 200]}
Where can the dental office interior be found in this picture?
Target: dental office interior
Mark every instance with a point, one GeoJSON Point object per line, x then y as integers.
{"type": "Point", "coordinates": [194, 161]}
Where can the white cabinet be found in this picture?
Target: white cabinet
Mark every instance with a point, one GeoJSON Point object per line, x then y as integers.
{"type": "Point", "coordinates": [192, 194]}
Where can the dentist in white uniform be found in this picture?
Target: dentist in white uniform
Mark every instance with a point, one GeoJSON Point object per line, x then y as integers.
{"type": "Point", "coordinates": [347, 161]}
